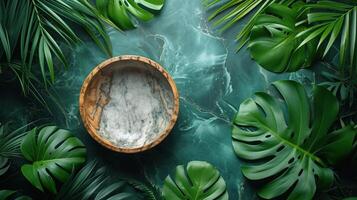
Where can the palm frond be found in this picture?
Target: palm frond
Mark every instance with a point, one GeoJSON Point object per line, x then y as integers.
{"type": "Point", "coordinates": [232, 11]}
{"type": "Point", "coordinates": [330, 20]}
{"type": "Point", "coordinates": [12, 195]}
{"type": "Point", "coordinates": [91, 182]}
{"type": "Point", "coordinates": [343, 87]}
{"type": "Point", "coordinates": [35, 26]}
{"type": "Point", "coordinates": [149, 190]}
{"type": "Point", "coordinates": [9, 145]}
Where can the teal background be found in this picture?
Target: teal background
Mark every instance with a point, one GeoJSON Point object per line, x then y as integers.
{"type": "Point", "coordinates": [212, 78]}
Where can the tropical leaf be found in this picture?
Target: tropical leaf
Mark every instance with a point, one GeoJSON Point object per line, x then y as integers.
{"type": "Point", "coordinates": [294, 150]}
{"type": "Point", "coordinates": [200, 181]}
{"type": "Point", "coordinates": [149, 190]}
{"type": "Point", "coordinates": [54, 153]}
{"type": "Point", "coordinates": [92, 183]}
{"type": "Point", "coordinates": [12, 195]}
{"type": "Point", "coordinates": [330, 20]}
{"type": "Point", "coordinates": [232, 11]}
{"type": "Point", "coordinates": [343, 188]}
{"type": "Point", "coordinates": [120, 12]}
{"type": "Point", "coordinates": [342, 86]}
{"type": "Point", "coordinates": [9, 145]}
{"type": "Point", "coordinates": [35, 27]}
{"type": "Point", "coordinates": [272, 41]}
{"type": "Point", "coordinates": [5, 194]}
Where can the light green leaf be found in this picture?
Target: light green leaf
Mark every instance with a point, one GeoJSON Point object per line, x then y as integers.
{"type": "Point", "coordinates": [273, 42]}
{"type": "Point", "coordinates": [118, 11]}
{"type": "Point", "coordinates": [102, 6]}
{"type": "Point", "coordinates": [155, 5]}
{"type": "Point", "coordinates": [200, 181]}
{"type": "Point", "coordinates": [118, 15]}
{"type": "Point", "coordinates": [344, 40]}
{"type": "Point", "coordinates": [53, 154]}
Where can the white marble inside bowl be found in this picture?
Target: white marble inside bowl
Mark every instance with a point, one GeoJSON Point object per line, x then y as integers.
{"type": "Point", "coordinates": [140, 105]}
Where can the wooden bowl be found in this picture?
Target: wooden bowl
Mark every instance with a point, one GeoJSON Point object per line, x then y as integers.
{"type": "Point", "coordinates": [129, 103]}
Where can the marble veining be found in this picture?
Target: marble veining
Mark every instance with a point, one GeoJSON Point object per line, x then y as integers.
{"type": "Point", "coordinates": [139, 108]}
{"type": "Point", "coordinates": [212, 77]}
{"type": "Point", "coordinates": [213, 80]}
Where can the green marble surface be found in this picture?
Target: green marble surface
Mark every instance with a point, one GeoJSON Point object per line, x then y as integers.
{"type": "Point", "coordinates": [212, 80]}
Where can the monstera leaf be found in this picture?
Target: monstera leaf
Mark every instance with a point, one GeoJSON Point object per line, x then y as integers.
{"type": "Point", "coordinates": [54, 153]}
{"type": "Point", "coordinates": [118, 11]}
{"type": "Point", "coordinates": [273, 40]}
{"type": "Point", "coordinates": [200, 181]}
{"type": "Point", "coordinates": [292, 151]}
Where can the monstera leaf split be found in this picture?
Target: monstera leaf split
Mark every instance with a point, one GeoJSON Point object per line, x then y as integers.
{"type": "Point", "coordinates": [53, 154]}
{"type": "Point", "coordinates": [118, 12]}
{"type": "Point", "coordinates": [273, 43]}
{"type": "Point", "coordinates": [200, 181]}
{"type": "Point", "coordinates": [289, 140]}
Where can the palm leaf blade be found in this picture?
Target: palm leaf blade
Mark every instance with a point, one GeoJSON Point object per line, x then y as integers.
{"type": "Point", "coordinates": [92, 183]}
{"type": "Point", "coordinates": [9, 145]}
{"type": "Point", "coordinates": [33, 25]}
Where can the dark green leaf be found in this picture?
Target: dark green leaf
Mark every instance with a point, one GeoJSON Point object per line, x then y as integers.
{"type": "Point", "coordinates": [12, 195]}
{"type": "Point", "coordinates": [9, 145]}
{"type": "Point", "coordinates": [32, 26]}
{"type": "Point", "coordinates": [294, 149]}
{"type": "Point", "coordinates": [92, 183]}
{"type": "Point", "coordinates": [353, 35]}
{"type": "Point", "coordinates": [4, 194]}
{"type": "Point", "coordinates": [333, 19]}
{"type": "Point", "coordinates": [232, 11]}
{"type": "Point", "coordinates": [5, 42]}
{"type": "Point", "coordinates": [149, 190]}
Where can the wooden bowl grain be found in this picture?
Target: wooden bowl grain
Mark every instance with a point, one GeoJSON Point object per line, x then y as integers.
{"type": "Point", "coordinates": [93, 100]}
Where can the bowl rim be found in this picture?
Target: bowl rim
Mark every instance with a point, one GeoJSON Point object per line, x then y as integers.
{"type": "Point", "coordinates": [104, 142]}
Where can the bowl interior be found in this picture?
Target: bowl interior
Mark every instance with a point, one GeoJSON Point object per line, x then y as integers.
{"type": "Point", "coordinates": [128, 104]}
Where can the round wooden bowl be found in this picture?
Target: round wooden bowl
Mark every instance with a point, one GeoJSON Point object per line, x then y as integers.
{"type": "Point", "coordinates": [129, 103]}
